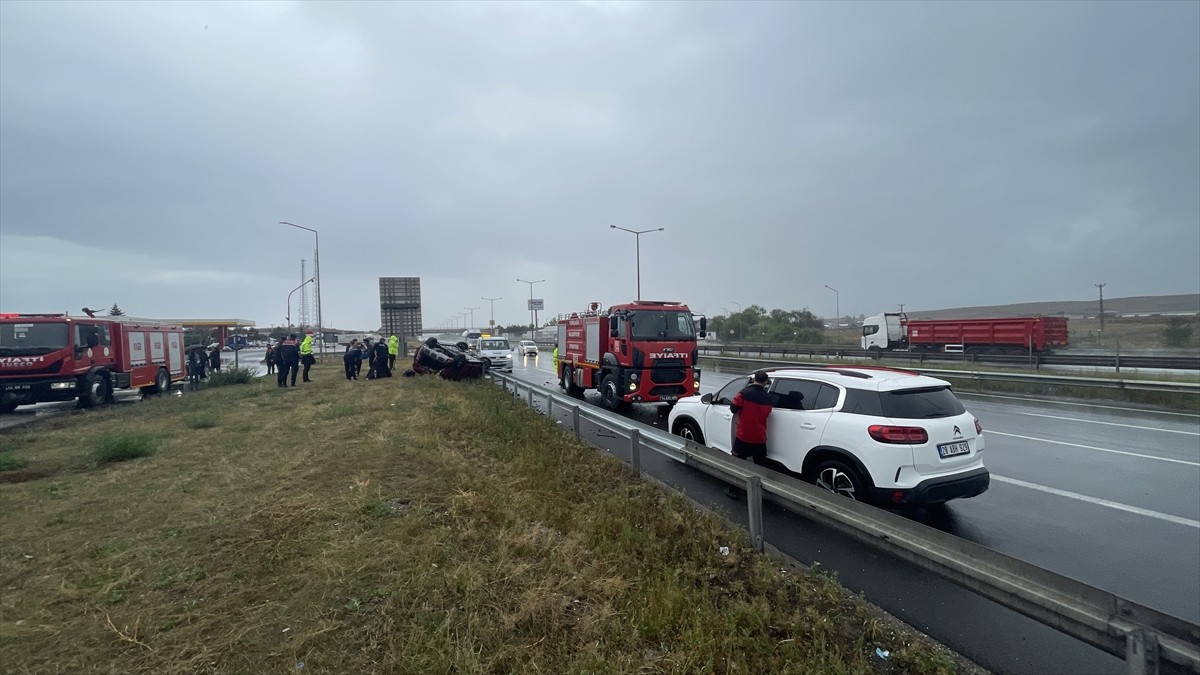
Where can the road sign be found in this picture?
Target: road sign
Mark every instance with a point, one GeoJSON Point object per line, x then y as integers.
{"type": "Point", "coordinates": [536, 304]}
{"type": "Point", "coordinates": [236, 342]}
{"type": "Point", "coordinates": [491, 322]}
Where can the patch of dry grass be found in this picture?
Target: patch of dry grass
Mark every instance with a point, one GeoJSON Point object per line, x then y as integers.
{"type": "Point", "coordinates": [403, 525]}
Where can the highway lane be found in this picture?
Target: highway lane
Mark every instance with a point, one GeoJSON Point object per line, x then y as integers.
{"type": "Point", "coordinates": [1119, 513]}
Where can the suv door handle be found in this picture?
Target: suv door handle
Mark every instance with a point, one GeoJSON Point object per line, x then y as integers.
{"type": "Point", "coordinates": [807, 425]}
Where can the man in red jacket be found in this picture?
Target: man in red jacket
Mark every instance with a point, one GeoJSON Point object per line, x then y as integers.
{"type": "Point", "coordinates": [752, 405]}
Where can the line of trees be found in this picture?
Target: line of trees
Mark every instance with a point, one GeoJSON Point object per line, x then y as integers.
{"type": "Point", "coordinates": [757, 324]}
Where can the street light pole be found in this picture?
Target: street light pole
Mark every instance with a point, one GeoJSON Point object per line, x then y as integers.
{"type": "Point", "coordinates": [317, 277]}
{"type": "Point", "coordinates": [837, 322]}
{"type": "Point", "coordinates": [637, 235]}
{"type": "Point", "coordinates": [739, 305]}
{"type": "Point", "coordinates": [289, 309]}
{"type": "Point", "coordinates": [472, 311]}
{"type": "Point", "coordinates": [532, 311]}
{"type": "Point", "coordinates": [492, 323]}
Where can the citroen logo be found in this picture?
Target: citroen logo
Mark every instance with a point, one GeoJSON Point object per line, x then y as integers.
{"type": "Point", "coordinates": [957, 431]}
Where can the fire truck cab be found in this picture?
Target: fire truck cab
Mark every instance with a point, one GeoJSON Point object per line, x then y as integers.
{"type": "Point", "coordinates": [640, 352]}
{"type": "Point", "coordinates": [55, 357]}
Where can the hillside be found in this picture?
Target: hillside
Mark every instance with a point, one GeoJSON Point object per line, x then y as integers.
{"type": "Point", "coordinates": [1143, 305]}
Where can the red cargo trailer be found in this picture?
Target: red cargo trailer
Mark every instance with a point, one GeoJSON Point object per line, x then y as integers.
{"type": "Point", "coordinates": [974, 336]}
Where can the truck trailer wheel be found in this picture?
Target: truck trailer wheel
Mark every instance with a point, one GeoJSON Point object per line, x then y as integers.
{"type": "Point", "coordinates": [610, 395]}
{"type": "Point", "coordinates": [162, 383]}
{"type": "Point", "coordinates": [97, 390]}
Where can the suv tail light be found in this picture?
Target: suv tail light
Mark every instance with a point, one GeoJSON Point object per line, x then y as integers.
{"type": "Point", "coordinates": [978, 426]}
{"type": "Point", "coordinates": [889, 434]}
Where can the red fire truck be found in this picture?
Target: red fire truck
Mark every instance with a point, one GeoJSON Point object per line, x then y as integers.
{"type": "Point", "coordinates": [55, 357]}
{"type": "Point", "coordinates": [640, 352]}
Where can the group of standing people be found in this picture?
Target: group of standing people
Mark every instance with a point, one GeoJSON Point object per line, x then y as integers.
{"type": "Point", "coordinates": [286, 358]}
{"type": "Point", "coordinates": [201, 360]}
{"type": "Point", "coordinates": [380, 358]}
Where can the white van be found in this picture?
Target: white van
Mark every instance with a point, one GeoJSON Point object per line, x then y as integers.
{"type": "Point", "coordinates": [496, 352]}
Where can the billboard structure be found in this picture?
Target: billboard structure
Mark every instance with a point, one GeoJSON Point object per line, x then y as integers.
{"type": "Point", "coordinates": [400, 306]}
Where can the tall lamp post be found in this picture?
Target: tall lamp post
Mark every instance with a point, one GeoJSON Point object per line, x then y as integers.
{"type": "Point", "coordinates": [532, 311]}
{"type": "Point", "coordinates": [739, 306]}
{"type": "Point", "coordinates": [289, 311]}
{"type": "Point", "coordinates": [837, 322]}
{"type": "Point", "coordinates": [492, 323]}
{"type": "Point", "coordinates": [472, 312]}
{"type": "Point", "coordinates": [317, 276]}
{"type": "Point", "coordinates": [637, 235]}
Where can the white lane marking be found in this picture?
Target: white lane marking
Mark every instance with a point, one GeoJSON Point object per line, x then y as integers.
{"type": "Point", "coordinates": [1101, 502]}
{"type": "Point", "coordinates": [1111, 424]}
{"type": "Point", "coordinates": [971, 394]}
{"type": "Point", "coordinates": [1092, 447]}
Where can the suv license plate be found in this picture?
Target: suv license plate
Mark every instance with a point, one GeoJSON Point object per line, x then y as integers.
{"type": "Point", "coordinates": [951, 449]}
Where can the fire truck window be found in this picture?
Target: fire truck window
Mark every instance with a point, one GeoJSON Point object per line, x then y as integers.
{"type": "Point", "coordinates": [622, 327]}
{"type": "Point", "coordinates": [88, 335]}
{"type": "Point", "coordinates": [660, 325]}
{"type": "Point", "coordinates": [32, 339]}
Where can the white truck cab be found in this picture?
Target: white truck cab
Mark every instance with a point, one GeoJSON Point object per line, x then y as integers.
{"type": "Point", "coordinates": [885, 331]}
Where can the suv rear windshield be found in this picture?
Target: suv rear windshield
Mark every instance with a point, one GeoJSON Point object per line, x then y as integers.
{"type": "Point", "coordinates": [921, 403]}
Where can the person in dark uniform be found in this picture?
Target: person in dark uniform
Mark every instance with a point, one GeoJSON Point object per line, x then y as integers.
{"type": "Point", "coordinates": [351, 359]}
{"type": "Point", "coordinates": [195, 367]}
{"type": "Point", "coordinates": [214, 359]}
{"type": "Point", "coordinates": [270, 360]}
{"type": "Point", "coordinates": [289, 360]}
{"type": "Point", "coordinates": [379, 360]}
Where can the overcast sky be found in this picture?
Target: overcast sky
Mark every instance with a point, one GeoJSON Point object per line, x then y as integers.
{"type": "Point", "coordinates": [937, 155]}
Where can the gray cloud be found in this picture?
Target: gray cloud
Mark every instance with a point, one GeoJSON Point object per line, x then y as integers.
{"type": "Point", "coordinates": [934, 154]}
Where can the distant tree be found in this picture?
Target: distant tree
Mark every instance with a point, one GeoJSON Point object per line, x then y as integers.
{"type": "Point", "coordinates": [278, 333]}
{"type": "Point", "coordinates": [1178, 332]}
{"type": "Point", "coordinates": [115, 310]}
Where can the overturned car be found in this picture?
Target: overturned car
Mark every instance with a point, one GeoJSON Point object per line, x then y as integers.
{"type": "Point", "coordinates": [453, 362]}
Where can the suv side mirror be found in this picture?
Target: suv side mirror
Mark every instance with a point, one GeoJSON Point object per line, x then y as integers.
{"type": "Point", "coordinates": [706, 399]}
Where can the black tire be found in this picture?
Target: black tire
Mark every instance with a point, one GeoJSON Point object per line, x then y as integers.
{"type": "Point", "coordinates": [568, 382]}
{"type": "Point", "coordinates": [7, 408]}
{"type": "Point", "coordinates": [97, 390]}
{"type": "Point", "coordinates": [835, 476]}
{"type": "Point", "coordinates": [487, 364]}
{"type": "Point", "coordinates": [162, 383]}
{"type": "Point", "coordinates": [688, 430]}
{"type": "Point", "coordinates": [610, 394]}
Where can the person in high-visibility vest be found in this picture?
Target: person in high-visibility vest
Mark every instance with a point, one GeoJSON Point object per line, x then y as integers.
{"type": "Point", "coordinates": [393, 350]}
{"type": "Point", "coordinates": [555, 359]}
{"type": "Point", "coordinates": [306, 355]}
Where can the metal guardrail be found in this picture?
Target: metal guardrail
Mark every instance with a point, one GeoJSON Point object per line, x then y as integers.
{"type": "Point", "coordinates": [1035, 361]}
{"type": "Point", "coordinates": [1140, 635]}
{"type": "Point", "coordinates": [1066, 380]}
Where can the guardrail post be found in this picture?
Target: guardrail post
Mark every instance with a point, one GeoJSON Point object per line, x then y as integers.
{"type": "Point", "coordinates": [531, 397]}
{"type": "Point", "coordinates": [575, 419]}
{"type": "Point", "coordinates": [1141, 653]}
{"type": "Point", "coordinates": [754, 505]}
{"type": "Point", "coordinates": [635, 451]}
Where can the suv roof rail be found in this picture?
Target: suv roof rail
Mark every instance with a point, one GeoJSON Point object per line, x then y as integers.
{"type": "Point", "coordinates": [827, 369]}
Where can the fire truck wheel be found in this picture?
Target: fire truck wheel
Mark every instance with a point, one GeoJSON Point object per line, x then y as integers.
{"type": "Point", "coordinates": [162, 383]}
{"type": "Point", "coordinates": [568, 381]}
{"type": "Point", "coordinates": [610, 396]}
{"type": "Point", "coordinates": [97, 392]}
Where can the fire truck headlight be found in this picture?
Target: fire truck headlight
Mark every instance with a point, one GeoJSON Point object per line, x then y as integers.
{"type": "Point", "coordinates": [62, 385]}
{"type": "Point", "coordinates": [633, 377]}
{"type": "Point", "coordinates": [633, 386]}
{"type": "Point", "coordinates": [696, 374]}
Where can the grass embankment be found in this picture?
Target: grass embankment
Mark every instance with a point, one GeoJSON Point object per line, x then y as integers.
{"type": "Point", "coordinates": [404, 525]}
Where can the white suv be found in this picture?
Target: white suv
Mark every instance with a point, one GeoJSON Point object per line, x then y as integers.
{"type": "Point", "coordinates": [528, 348]}
{"type": "Point", "coordinates": [890, 437]}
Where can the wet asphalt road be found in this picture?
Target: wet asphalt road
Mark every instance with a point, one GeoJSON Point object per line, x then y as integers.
{"type": "Point", "coordinates": [1105, 495]}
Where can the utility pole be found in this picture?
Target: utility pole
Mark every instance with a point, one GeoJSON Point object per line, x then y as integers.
{"type": "Point", "coordinates": [837, 300]}
{"type": "Point", "coordinates": [1101, 287]}
{"type": "Point", "coordinates": [492, 323]}
{"type": "Point", "coordinates": [901, 305]}
{"type": "Point", "coordinates": [471, 310]}
{"type": "Point", "coordinates": [532, 311]}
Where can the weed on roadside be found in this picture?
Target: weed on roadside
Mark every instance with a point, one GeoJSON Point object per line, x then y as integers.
{"type": "Point", "coordinates": [230, 376]}
{"type": "Point", "coordinates": [123, 446]}
{"type": "Point", "coordinates": [203, 420]}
